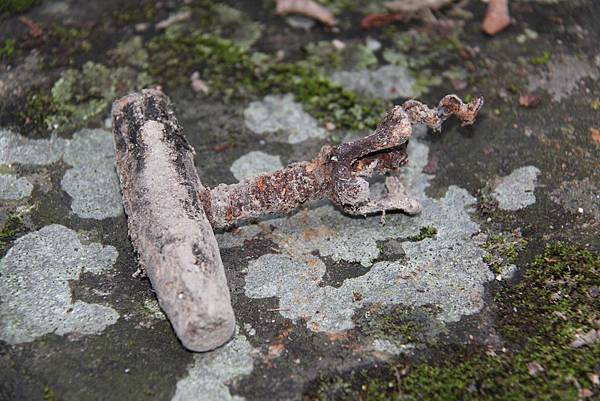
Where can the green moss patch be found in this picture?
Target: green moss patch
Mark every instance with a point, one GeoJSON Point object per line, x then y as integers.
{"type": "Point", "coordinates": [503, 250]}
{"type": "Point", "coordinates": [539, 318]}
{"type": "Point", "coordinates": [233, 72]}
{"type": "Point", "coordinates": [17, 6]}
{"type": "Point", "coordinates": [80, 96]}
{"type": "Point", "coordinates": [424, 232]}
{"type": "Point", "coordinates": [11, 228]}
{"type": "Point", "coordinates": [8, 49]}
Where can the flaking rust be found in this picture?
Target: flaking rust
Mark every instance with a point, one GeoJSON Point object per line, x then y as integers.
{"type": "Point", "coordinates": [171, 216]}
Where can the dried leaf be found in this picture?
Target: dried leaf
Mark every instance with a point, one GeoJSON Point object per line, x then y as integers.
{"type": "Point", "coordinates": [378, 20]}
{"type": "Point", "coordinates": [497, 17]}
{"type": "Point", "coordinates": [308, 8]}
{"type": "Point", "coordinates": [529, 100]}
{"type": "Point", "coordinates": [595, 135]}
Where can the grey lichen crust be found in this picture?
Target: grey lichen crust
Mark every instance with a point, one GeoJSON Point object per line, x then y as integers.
{"type": "Point", "coordinates": [516, 190]}
{"type": "Point", "coordinates": [387, 82]}
{"type": "Point", "coordinates": [564, 74]}
{"type": "Point", "coordinates": [15, 148]}
{"type": "Point", "coordinates": [253, 164]}
{"type": "Point", "coordinates": [210, 373]}
{"type": "Point", "coordinates": [13, 188]}
{"type": "Point", "coordinates": [92, 183]}
{"type": "Point", "coordinates": [447, 270]}
{"type": "Point", "coordinates": [281, 115]}
{"type": "Point", "coordinates": [34, 286]}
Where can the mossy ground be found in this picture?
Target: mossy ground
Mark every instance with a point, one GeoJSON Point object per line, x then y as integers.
{"type": "Point", "coordinates": [231, 71]}
{"type": "Point", "coordinates": [538, 317]}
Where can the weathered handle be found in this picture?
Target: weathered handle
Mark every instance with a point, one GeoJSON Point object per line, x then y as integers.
{"type": "Point", "coordinates": [167, 224]}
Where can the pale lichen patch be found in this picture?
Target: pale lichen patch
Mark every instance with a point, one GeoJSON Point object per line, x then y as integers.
{"type": "Point", "coordinates": [255, 163]}
{"type": "Point", "coordinates": [211, 372]}
{"type": "Point", "coordinates": [516, 190]}
{"type": "Point", "coordinates": [387, 82]}
{"type": "Point", "coordinates": [282, 116]}
{"type": "Point", "coordinates": [13, 188]}
{"type": "Point", "coordinates": [15, 148]}
{"type": "Point", "coordinates": [92, 183]}
{"type": "Point", "coordinates": [563, 76]}
{"type": "Point", "coordinates": [35, 280]}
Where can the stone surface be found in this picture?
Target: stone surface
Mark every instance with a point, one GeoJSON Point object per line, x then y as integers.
{"type": "Point", "coordinates": [579, 197]}
{"type": "Point", "coordinates": [446, 270]}
{"type": "Point", "coordinates": [564, 75]}
{"type": "Point", "coordinates": [327, 307]}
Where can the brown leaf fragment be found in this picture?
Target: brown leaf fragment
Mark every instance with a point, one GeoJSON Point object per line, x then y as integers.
{"type": "Point", "coordinates": [585, 393]}
{"type": "Point", "coordinates": [308, 8]}
{"type": "Point", "coordinates": [595, 135]}
{"type": "Point", "coordinates": [413, 6]}
{"type": "Point", "coordinates": [34, 29]}
{"type": "Point", "coordinates": [529, 100]}
{"type": "Point", "coordinates": [379, 20]}
{"type": "Point", "coordinates": [497, 17]}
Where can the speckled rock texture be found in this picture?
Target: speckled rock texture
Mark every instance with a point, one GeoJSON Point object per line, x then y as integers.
{"type": "Point", "coordinates": [490, 292]}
